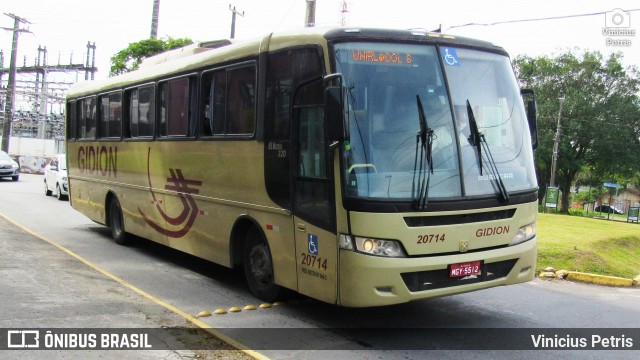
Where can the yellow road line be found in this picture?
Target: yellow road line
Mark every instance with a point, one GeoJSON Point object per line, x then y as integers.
{"type": "Point", "coordinates": [236, 344]}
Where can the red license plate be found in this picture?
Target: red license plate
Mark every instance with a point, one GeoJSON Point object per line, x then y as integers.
{"type": "Point", "coordinates": [465, 269]}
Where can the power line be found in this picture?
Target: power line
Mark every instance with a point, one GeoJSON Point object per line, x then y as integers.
{"type": "Point", "coordinates": [534, 19]}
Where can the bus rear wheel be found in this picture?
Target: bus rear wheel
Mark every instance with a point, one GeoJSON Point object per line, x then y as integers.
{"type": "Point", "coordinates": [258, 268]}
{"type": "Point", "coordinates": [116, 222]}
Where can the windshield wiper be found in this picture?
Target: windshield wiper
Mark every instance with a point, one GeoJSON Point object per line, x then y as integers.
{"type": "Point", "coordinates": [424, 142]}
{"type": "Point", "coordinates": [478, 140]}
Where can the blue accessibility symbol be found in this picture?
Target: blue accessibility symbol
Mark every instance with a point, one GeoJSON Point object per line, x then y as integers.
{"type": "Point", "coordinates": [450, 56]}
{"type": "Point", "coordinates": [313, 244]}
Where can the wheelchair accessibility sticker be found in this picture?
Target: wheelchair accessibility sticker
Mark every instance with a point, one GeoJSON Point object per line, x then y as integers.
{"type": "Point", "coordinates": [313, 244]}
{"type": "Point", "coordinates": [450, 56]}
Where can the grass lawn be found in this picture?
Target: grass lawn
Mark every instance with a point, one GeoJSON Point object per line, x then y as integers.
{"type": "Point", "coordinates": [589, 245]}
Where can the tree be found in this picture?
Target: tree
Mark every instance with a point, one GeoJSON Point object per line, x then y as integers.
{"type": "Point", "coordinates": [600, 121]}
{"type": "Point", "coordinates": [130, 58]}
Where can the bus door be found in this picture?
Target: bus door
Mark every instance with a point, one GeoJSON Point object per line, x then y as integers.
{"type": "Point", "coordinates": [313, 204]}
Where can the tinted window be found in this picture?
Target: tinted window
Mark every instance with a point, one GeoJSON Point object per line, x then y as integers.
{"type": "Point", "coordinates": [140, 102]}
{"type": "Point", "coordinates": [71, 120]}
{"type": "Point", "coordinates": [228, 105]}
{"type": "Point", "coordinates": [286, 71]}
{"type": "Point", "coordinates": [110, 116]}
{"type": "Point", "coordinates": [86, 118]}
{"type": "Point", "coordinates": [241, 101]}
{"type": "Point", "coordinates": [176, 108]}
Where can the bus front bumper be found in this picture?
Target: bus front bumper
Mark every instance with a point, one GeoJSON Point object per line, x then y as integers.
{"type": "Point", "coordinates": [375, 281]}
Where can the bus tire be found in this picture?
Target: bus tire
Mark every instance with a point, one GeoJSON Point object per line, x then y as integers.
{"type": "Point", "coordinates": [116, 223]}
{"type": "Point", "coordinates": [258, 267]}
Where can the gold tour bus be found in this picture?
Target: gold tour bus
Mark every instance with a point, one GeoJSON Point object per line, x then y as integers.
{"type": "Point", "coordinates": [359, 167]}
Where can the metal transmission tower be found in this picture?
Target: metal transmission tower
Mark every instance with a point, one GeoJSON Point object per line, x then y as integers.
{"type": "Point", "coordinates": [233, 20]}
{"type": "Point", "coordinates": [41, 94]}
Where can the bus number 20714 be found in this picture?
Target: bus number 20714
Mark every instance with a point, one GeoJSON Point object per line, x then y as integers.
{"type": "Point", "coordinates": [430, 238]}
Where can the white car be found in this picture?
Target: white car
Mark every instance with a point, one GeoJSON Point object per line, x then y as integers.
{"type": "Point", "coordinates": [55, 177]}
{"type": "Point", "coordinates": [8, 167]}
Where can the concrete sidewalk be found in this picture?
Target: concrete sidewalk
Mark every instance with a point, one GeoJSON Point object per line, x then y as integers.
{"type": "Point", "coordinates": [43, 287]}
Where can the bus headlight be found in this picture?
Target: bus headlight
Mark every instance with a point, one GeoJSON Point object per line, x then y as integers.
{"type": "Point", "coordinates": [525, 233]}
{"type": "Point", "coordinates": [379, 247]}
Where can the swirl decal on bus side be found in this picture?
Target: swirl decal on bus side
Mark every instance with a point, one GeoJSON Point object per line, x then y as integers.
{"type": "Point", "coordinates": [190, 210]}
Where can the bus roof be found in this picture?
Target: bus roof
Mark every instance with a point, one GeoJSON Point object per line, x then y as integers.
{"type": "Point", "coordinates": [195, 56]}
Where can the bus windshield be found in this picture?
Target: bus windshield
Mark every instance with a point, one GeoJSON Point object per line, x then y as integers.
{"type": "Point", "coordinates": [387, 83]}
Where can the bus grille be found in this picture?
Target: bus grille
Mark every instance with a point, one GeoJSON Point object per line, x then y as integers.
{"type": "Point", "coordinates": [437, 279]}
{"type": "Point", "coordinates": [419, 221]}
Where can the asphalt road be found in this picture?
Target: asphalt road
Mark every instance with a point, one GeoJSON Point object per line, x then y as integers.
{"type": "Point", "coordinates": [149, 286]}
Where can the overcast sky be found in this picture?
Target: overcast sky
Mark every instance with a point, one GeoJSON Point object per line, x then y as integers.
{"type": "Point", "coordinates": [65, 26]}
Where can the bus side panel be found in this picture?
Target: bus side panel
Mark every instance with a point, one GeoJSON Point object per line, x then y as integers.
{"type": "Point", "coordinates": [278, 228]}
{"type": "Point", "coordinates": [316, 260]}
{"type": "Point", "coordinates": [139, 187]}
{"type": "Point", "coordinates": [82, 166]}
{"type": "Point", "coordinates": [208, 188]}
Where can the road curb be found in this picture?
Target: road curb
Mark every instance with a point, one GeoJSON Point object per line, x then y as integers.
{"type": "Point", "coordinates": [550, 273]}
{"type": "Point", "coordinates": [600, 279]}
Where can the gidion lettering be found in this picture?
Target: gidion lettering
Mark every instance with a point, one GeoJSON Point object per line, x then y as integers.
{"type": "Point", "coordinates": [101, 160]}
{"type": "Point", "coordinates": [498, 230]}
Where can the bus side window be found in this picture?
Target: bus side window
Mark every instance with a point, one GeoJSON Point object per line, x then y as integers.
{"type": "Point", "coordinates": [176, 108]}
{"type": "Point", "coordinates": [86, 118]}
{"type": "Point", "coordinates": [79, 124]}
{"type": "Point", "coordinates": [133, 121]}
{"type": "Point", "coordinates": [212, 113]}
{"type": "Point", "coordinates": [146, 111]}
{"type": "Point", "coordinates": [115, 115]}
{"type": "Point", "coordinates": [71, 124]}
{"type": "Point", "coordinates": [103, 118]}
{"type": "Point", "coordinates": [109, 119]}
{"type": "Point", "coordinates": [241, 101]}
{"type": "Point", "coordinates": [90, 113]}
{"type": "Point", "coordinates": [218, 102]}
{"type": "Point", "coordinates": [206, 116]}
{"type": "Point", "coordinates": [139, 108]}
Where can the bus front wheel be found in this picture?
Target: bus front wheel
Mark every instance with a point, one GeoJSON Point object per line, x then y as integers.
{"type": "Point", "coordinates": [258, 267]}
{"type": "Point", "coordinates": [116, 221]}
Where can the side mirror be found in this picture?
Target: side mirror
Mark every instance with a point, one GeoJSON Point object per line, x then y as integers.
{"type": "Point", "coordinates": [333, 113]}
{"type": "Point", "coordinates": [532, 115]}
{"type": "Point", "coordinates": [336, 114]}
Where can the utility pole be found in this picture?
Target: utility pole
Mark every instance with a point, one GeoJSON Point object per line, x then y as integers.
{"type": "Point", "coordinates": [91, 49]}
{"type": "Point", "coordinates": [556, 144]}
{"type": "Point", "coordinates": [8, 109]}
{"type": "Point", "coordinates": [344, 12]}
{"type": "Point", "coordinates": [310, 18]}
{"type": "Point", "coordinates": [154, 19]}
{"type": "Point", "coordinates": [233, 20]}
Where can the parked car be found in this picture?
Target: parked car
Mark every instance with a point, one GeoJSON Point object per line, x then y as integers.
{"type": "Point", "coordinates": [55, 177]}
{"type": "Point", "coordinates": [8, 167]}
{"type": "Point", "coordinates": [608, 209]}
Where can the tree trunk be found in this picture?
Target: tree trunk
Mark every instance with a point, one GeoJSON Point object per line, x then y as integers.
{"type": "Point", "coordinates": [566, 191]}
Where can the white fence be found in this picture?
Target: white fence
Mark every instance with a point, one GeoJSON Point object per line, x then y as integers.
{"type": "Point", "coordinates": [34, 154]}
